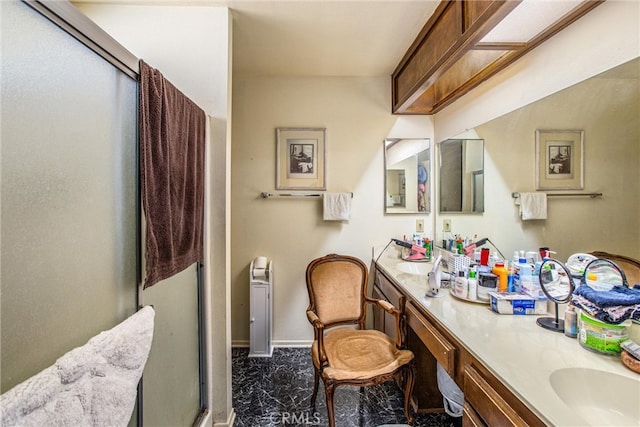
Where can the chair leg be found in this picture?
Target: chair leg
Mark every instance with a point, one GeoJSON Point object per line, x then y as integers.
{"type": "Point", "coordinates": [328, 391]}
{"type": "Point", "coordinates": [316, 380]}
{"type": "Point", "coordinates": [408, 391]}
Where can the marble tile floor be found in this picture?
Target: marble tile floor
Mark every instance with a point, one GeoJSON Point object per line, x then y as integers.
{"type": "Point", "coordinates": [276, 391]}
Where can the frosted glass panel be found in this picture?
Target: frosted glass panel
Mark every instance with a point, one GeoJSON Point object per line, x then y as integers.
{"type": "Point", "coordinates": [68, 193]}
{"type": "Point", "coordinates": [171, 394]}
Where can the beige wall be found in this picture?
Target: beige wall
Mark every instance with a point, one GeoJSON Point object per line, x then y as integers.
{"type": "Point", "coordinates": [355, 112]}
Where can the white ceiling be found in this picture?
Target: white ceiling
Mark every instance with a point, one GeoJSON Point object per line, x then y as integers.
{"type": "Point", "coordinates": [325, 38]}
{"type": "Point", "coordinates": [316, 37]}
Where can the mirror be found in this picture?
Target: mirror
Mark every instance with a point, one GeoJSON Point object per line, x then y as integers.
{"type": "Point", "coordinates": [407, 163]}
{"type": "Point", "coordinates": [603, 274]}
{"type": "Point", "coordinates": [607, 108]}
{"type": "Point", "coordinates": [557, 284]}
{"type": "Point", "coordinates": [461, 175]}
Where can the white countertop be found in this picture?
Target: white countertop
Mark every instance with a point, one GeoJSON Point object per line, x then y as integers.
{"type": "Point", "coordinates": [514, 348]}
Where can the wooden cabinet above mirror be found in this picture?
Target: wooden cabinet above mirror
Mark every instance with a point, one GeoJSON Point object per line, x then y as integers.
{"type": "Point", "coordinates": [467, 41]}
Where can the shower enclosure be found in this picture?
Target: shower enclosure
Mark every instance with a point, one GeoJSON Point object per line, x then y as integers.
{"type": "Point", "coordinates": [71, 256]}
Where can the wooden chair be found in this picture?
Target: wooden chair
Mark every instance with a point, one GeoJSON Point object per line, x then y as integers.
{"type": "Point", "coordinates": [630, 266]}
{"type": "Point", "coordinates": [352, 355]}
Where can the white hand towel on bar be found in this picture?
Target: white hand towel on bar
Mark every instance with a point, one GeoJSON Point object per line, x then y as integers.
{"type": "Point", "coordinates": [533, 206]}
{"type": "Point", "coordinates": [337, 206]}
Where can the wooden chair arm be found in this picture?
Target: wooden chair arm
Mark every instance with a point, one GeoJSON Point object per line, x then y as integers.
{"type": "Point", "coordinates": [318, 334]}
{"type": "Point", "coordinates": [399, 316]}
{"type": "Point", "coordinates": [314, 319]}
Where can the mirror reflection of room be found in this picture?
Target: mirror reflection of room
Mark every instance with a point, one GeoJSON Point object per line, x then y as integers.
{"type": "Point", "coordinates": [396, 187]}
{"type": "Point", "coordinates": [605, 107]}
{"type": "Point", "coordinates": [407, 183]}
{"type": "Point", "coordinates": [462, 175]}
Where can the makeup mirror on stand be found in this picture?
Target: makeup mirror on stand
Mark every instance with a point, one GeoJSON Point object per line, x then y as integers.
{"type": "Point", "coordinates": [603, 274]}
{"type": "Point", "coordinates": [557, 284]}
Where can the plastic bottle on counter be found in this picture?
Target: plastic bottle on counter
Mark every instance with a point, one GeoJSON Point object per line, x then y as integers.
{"type": "Point", "coordinates": [428, 246]}
{"type": "Point", "coordinates": [493, 259]}
{"type": "Point", "coordinates": [461, 286]}
{"type": "Point", "coordinates": [511, 276]}
{"type": "Point", "coordinates": [472, 285]}
{"type": "Point", "coordinates": [500, 271]}
{"type": "Point", "coordinates": [484, 256]}
{"type": "Point", "coordinates": [570, 322]}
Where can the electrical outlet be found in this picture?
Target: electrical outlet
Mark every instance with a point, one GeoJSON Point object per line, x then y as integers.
{"type": "Point", "coordinates": [419, 225]}
{"type": "Point", "coordinates": [446, 225]}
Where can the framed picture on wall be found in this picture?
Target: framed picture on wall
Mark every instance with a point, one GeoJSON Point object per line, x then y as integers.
{"type": "Point", "coordinates": [559, 160]}
{"type": "Point", "coordinates": [301, 158]}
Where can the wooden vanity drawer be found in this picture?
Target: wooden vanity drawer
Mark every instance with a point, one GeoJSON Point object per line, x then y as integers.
{"type": "Point", "coordinates": [441, 348]}
{"type": "Point", "coordinates": [470, 417]}
{"type": "Point", "coordinates": [486, 403]}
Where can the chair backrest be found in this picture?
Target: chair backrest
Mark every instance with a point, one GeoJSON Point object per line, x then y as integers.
{"type": "Point", "coordinates": [337, 286]}
{"type": "Point", "coordinates": [630, 266]}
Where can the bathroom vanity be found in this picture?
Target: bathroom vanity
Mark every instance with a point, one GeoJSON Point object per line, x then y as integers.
{"type": "Point", "coordinates": [512, 372]}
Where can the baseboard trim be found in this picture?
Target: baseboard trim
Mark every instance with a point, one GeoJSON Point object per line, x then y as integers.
{"type": "Point", "coordinates": [230, 420]}
{"type": "Point", "coordinates": [279, 343]}
{"type": "Point", "coordinates": [295, 343]}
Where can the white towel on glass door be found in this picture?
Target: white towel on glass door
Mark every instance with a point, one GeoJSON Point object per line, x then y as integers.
{"type": "Point", "coordinates": [337, 206]}
{"type": "Point", "coordinates": [92, 385]}
{"type": "Point", "coordinates": [533, 206]}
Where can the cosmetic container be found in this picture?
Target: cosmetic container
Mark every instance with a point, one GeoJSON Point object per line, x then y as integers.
{"type": "Point", "coordinates": [472, 285]}
{"type": "Point", "coordinates": [570, 322]}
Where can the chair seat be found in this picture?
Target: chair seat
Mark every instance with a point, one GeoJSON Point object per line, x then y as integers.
{"type": "Point", "coordinates": [359, 354]}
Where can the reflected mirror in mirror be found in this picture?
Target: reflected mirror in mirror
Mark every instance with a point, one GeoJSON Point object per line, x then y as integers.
{"type": "Point", "coordinates": [603, 274]}
{"type": "Point", "coordinates": [461, 175]}
{"type": "Point", "coordinates": [407, 165]}
{"type": "Point", "coordinates": [557, 284]}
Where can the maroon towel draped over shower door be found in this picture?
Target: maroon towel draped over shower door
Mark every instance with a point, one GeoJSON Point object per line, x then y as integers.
{"type": "Point", "coordinates": [172, 150]}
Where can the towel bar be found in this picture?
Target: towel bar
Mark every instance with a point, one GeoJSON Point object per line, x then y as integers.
{"type": "Point", "coordinates": [266, 195]}
{"type": "Point", "coordinates": [592, 195]}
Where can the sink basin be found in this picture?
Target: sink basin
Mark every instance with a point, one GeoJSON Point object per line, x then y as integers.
{"type": "Point", "coordinates": [601, 398]}
{"type": "Point", "coordinates": [418, 268]}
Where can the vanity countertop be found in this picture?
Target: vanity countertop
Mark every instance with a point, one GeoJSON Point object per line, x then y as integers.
{"type": "Point", "coordinates": [514, 348]}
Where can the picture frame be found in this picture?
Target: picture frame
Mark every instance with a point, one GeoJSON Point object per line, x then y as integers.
{"type": "Point", "coordinates": [301, 158]}
{"type": "Point", "coordinates": [559, 160]}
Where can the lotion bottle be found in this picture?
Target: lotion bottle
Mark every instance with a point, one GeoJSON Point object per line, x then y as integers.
{"type": "Point", "coordinates": [461, 285]}
{"type": "Point", "coordinates": [472, 284]}
{"type": "Point", "coordinates": [570, 322]}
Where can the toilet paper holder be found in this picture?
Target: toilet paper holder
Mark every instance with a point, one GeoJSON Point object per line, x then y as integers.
{"type": "Point", "coordinates": [260, 268]}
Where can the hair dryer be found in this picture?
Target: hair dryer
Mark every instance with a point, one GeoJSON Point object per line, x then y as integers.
{"type": "Point", "coordinates": [434, 278]}
{"type": "Point", "coordinates": [468, 250]}
{"type": "Point", "coordinates": [411, 246]}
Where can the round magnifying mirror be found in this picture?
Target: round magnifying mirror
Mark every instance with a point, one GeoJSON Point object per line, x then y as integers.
{"type": "Point", "coordinates": [557, 284]}
{"type": "Point", "coordinates": [603, 274]}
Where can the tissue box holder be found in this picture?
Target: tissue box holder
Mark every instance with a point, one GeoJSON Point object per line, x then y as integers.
{"type": "Point", "coordinates": [516, 303]}
{"type": "Point", "coordinates": [457, 262]}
